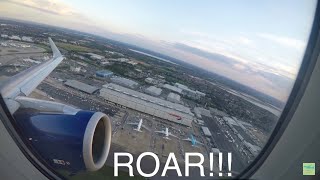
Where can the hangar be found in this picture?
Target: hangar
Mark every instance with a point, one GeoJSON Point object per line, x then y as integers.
{"type": "Point", "coordinates": [147, 104]}
{"type": "Point", "coordinates": [81, 86]}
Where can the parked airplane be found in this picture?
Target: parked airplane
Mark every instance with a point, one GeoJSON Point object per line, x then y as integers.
{"type": "Point", "coordinates": [139, 125]}
{"type": "Point", "coordinates": [166, 133]}
{"type": "Point", "coordinates": [193, 140]}
{"type": "Point", "coordinates": [64, 136]}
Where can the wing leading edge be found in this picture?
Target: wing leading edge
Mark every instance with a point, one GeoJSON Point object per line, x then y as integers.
{"type": "Point", "coordinates": [23, 83]}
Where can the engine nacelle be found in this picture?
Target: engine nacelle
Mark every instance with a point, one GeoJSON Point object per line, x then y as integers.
{"type": "Point", "coordinates": [72, 142]}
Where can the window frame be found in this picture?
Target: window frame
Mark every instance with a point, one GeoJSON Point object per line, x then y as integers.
{"type": "Point", "coordinates": [13, 130]}
{"type": "Point", "coordinates": [309, 60]}
{"type": "Point", "coordinates": [310, 57]}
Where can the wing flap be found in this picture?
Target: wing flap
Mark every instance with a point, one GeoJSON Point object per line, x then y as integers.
{"type": "Point", "coordinates": [46, 106]}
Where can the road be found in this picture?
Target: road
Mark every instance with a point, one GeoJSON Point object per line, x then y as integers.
{"type": "Point", "coordinates": [224, 145]}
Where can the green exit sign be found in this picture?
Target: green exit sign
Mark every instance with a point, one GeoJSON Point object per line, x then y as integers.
{"type": "Point", "coordinates": [309, 169]}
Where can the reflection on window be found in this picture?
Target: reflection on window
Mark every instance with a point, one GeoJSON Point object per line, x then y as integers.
{"type": "Point", "coordinates": [201, 77]}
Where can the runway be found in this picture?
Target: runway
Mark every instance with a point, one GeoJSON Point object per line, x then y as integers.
{"type": "Point", "coordinates": [224, 145]}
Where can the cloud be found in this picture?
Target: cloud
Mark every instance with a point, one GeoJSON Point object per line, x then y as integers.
{"type": "Point", "coordinates": [245, 40]}
{"type": "Point", "coordinates": [253, 51]}
{"type": "Point", "coordinates": [55, 7]}
{"type": "Point", "coordinates": [231, 40]}
{"type": "Point", "coordinates": [224, 56]}
{"type": "Point", "coordinates": [216, 54]}
{"type": "Point", "coordinates": [282, 40]}
{"type": "Point", "coordinates": [50, 12]}
{"type": "Point", "coordinates": [239, 66]}
{"type": "Point", "coordinates": [266, 79]}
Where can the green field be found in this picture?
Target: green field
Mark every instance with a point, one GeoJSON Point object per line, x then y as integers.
{"type": "Point", "coordinates": [46, 48]}
{"type": "Point", "coordinates": [74, 48]}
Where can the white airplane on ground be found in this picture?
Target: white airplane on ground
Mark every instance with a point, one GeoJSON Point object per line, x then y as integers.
{"type": "Point", "coordinates": [193, 140]}
{"type": "Point", "coordinates": [166, 133]}
{"type": "Point", "coordinates": [139, 125]}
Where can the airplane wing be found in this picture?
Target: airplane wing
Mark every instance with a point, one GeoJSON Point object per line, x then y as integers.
{"type": "Point", "coordinates": [197, 142]}
{"type": "Point", "coordinates": [135, 124]}
{"type": "Point", "coordinates": [22, 84]}
{"type": "Point", "coordinates": [58, 120]}
{"type": "Point", "coordinates": [161, 132]}
{"type": "Point", "coordinates": [188, 139]}
{"type": "Point", "coordinates": [170, 134]}
{"type": "Point", "coordinates": [145, 127]}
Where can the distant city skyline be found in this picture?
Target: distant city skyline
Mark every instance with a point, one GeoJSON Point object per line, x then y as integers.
{"type": "Point", "coordinates": [257, 43]}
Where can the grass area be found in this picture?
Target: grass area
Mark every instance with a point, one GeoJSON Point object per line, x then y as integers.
{"type": "Point", "coordinates": [88, 61]}
{"type": "Point", "coordinates": [12, 50]}
{"type": "Point", "coordinates": [104, 173]}
{"type": "Point", "coordinates": [62, 67]}
{"type": "Point", "coordinates": [74, 48]}
{"type": "Point", "coordinates": [46, 48]}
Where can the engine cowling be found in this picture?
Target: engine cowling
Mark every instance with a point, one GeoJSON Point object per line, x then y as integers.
{"type": "Point", "coordinates": [71, 142]}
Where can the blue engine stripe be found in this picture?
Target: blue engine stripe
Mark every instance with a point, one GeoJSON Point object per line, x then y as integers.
{"type": "Point", "coordinates": [57, 138]}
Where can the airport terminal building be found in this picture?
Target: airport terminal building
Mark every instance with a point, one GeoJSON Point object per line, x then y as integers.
{"type": "Point", "coordinates": [81, 86]}
{"type": "Point", "coordinates": [147, 104]}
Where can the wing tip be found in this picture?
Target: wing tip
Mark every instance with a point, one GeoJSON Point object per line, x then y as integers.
{"type": "Point", "coordinates": [55, 50]}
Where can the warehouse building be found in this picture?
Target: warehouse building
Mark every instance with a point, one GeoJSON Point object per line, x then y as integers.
{"type": "Point", "coordinates": [151, 81]}
{"type": "Point", "coordinates": [254, 150]}
{"type": "Point", "coordinates": [95, 56]}
{"type": "Point", "coordinates": [172, 88]}
{"type": "Point", "coordinates": [104, 73]}
{"type": "Point", "coordinates": [154, 91]}
{"type": "Point", "coordinates": [173, 97]}
{"type": "Point", "coordinates": [75, 69]}
{"type": "Point", "coordinates": [206, 131]}
{"type": "Point", "coordinates": [230, 121]}
{"type": "Point", "coordinates": [27, 39]}
{"type": "Point", "coordinates": [4, 36]}
{"type": "Point", "coordinates": [186, 91]}
{"type": "Point", "coordinates": [81, 86]}
{"type": "Point", "coordinates": [147, 104]}
{"type": "Point", "coordinates": [125, 82]}
{"type": "Point", "coordinates": [199, 111]}
{"type": "Point", "coordinates": [181, 86]}
{"type": "Point", "coordinates": [201, 122]}
{"type": "Point", "coordinates": [217, 112]}
{"type": "Point", "coordinates": [14, 37]}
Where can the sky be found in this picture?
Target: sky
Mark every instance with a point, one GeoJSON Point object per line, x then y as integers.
{"type": "Point", "coordinates": [257, 43]}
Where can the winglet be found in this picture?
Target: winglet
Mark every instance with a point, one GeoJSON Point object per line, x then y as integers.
{"type": "Point", "coordinates": [55, 50]}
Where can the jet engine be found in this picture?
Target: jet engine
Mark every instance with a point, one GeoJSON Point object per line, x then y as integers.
{"type": "Point", "coordinates": [70, 141]}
